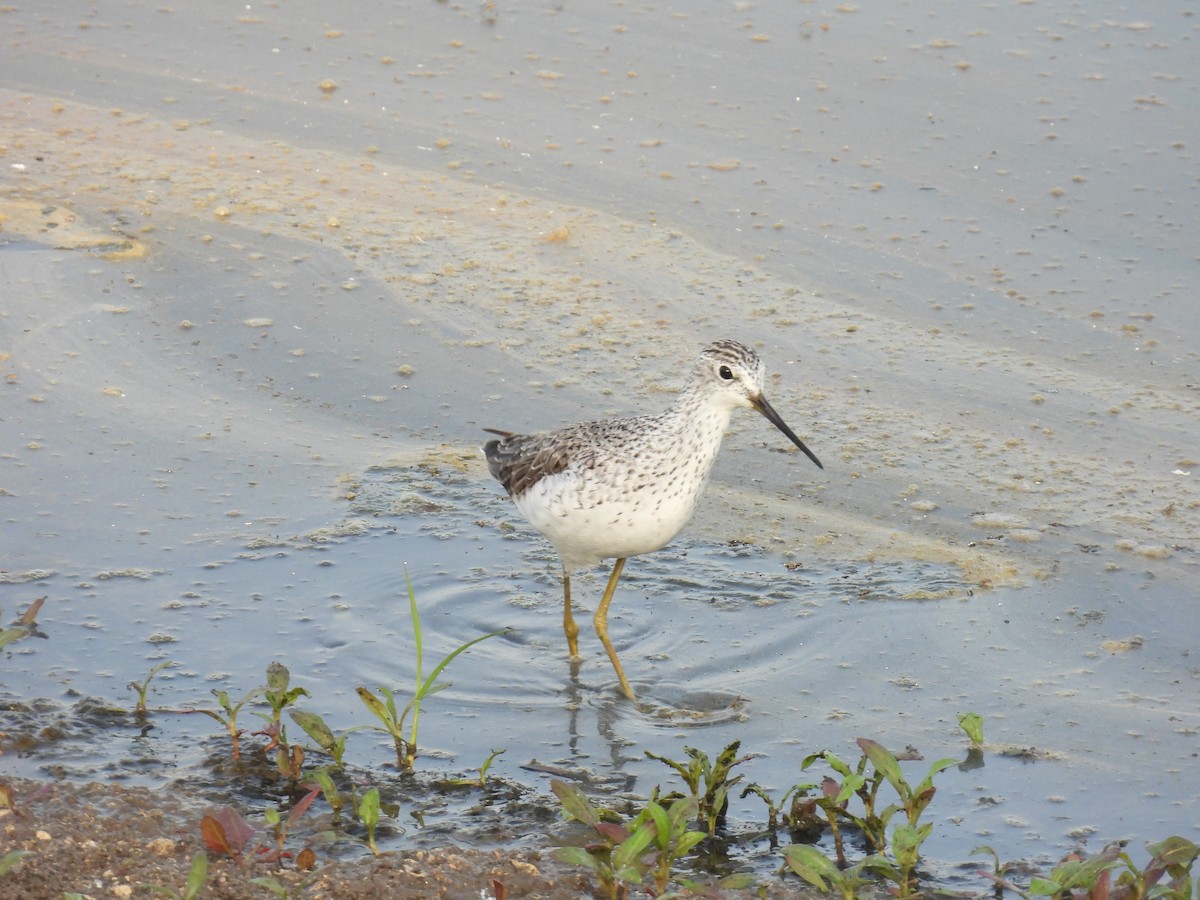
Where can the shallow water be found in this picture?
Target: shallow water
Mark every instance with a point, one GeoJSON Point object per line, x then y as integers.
{"type": "Point", "coordinates": [253, 325]}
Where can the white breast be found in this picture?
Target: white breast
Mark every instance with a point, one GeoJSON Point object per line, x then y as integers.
{"type": "Point", "coordinates": [623, 505]}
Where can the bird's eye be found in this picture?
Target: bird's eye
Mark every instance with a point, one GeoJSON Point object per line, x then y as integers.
{"type": "Point", "coordinates": [725, 373]}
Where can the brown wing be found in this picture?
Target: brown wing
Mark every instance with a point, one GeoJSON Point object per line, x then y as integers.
{"type": "Point", "coordinates": [519, 461]}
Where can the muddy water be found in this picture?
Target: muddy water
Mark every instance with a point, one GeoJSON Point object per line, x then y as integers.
{"type": "Point", "coordinates": [265, 277]}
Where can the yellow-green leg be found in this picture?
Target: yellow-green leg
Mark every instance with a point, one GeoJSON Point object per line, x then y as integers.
{"type": "Point", "coordinates": [569, 626]}
{"type": "Point", "coordinates": [601, 622]}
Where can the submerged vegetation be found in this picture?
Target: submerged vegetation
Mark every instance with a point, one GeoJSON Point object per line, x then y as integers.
{"type": "Point", "coordinates": [676, 843]}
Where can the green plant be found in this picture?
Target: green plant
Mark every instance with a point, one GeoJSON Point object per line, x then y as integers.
{"type": "Point", "coordinates": [289, 760]}
{"type": "Point", "coordinates": [913, 800]}
{"type": "Point", "coordinates": [650, 845]}
{"type": "Point", "coordinates": [197, 875]}
{"type": "Point", "coordinates": [481, 781]}
{"type": "Point", "coordinates": [25, 624]}
{"type": "Point", "coordinates": [835, 798]}
{"type": "Point", "coordinates": [796, 816]}
{"type": "Point", "coordinates": [385, 710]}
{"type": "Point", "coordinates": [1171, 858]}
{"type": "Point", "coordinates": [487, 764]}
{"type": "Point", "coordinates": [972, 725]}
{"type": "Point", "coordinates": [906, 838]}
{"type": "Point", "coordinates": [822, 873]}
{"type": "Point", "coordinates": [229, 719]}
{"type": "Point", "coordinates": [366, 808]}
{"type": "Point", "coordinates": [1091, 877]}
{"type": "Point", "coordinates": [616, 859]}
{"type": "Point", "coordinates": [368, 813]}
{"type": "Point", "coordinates": [333, 796]}
{"type": "Point", "coordinates": [1076, 874]}
{"type": "Point", "coordinates": [671, 838]}
{"type": "Point", "coordinates": [280, 695]}
{"type": "Point", "coordinates": [708, 782]}
{"type": "Point", "coordinates": [873, 822]}
{"type": "Point", "coordinates": [901, 867]}
{"type": "Point", "coordinates": [143, 687]}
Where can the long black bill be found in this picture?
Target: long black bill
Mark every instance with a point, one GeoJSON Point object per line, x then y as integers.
{"type": "Point", "coordinates": [760, 403]}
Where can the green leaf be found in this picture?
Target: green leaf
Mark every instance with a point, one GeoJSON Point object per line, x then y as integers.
{"type": "Point", "coordinates": [882, 866]}
{"type": "Point", "coordinates": [678, 767]}
{"type": "Point", "coordinates": [329, 790]}
{"type": "Point", "coordinates": [487, 764]}
{"type": "Point", "coordinates": [812, 865]}
{"type": "Point", "coordinates": [375, 705]}
{"type": "Point", "coordinates": [368, 811]}
{"type": "Point", "coordinates": [11, 859]}
{"type": "Point", "coordinates": [575, 856]}
{"type": "Point", "coordinates": [575, 804]}
{"type": "Point", "coordinates": [688, 840]}
{"type": "Point", "coordinates": [717, 803]}
{"type": "Point", "coordinates": [416, 620]}
{"type": "Point", "coordinates": [1082, 873]}
{"type": "Point", "coordinates": [907, 840]}
{"type": "Point", "coordinates": [428, 686]}
{"type": "Point", "coordinates": [427, 689]}
{"type": "Point", "coordinates": [836, 763]}
{"type": "Point", "coordinates": [972, 725]}
{"type": "Point", "coordinates": [1174, 851]}
{"type": "Point", "coordinates": [197, 875]}
{"type": "Point", "coordinates": [632, 848]}
{"type": "Point", "coordinates": [292, 696]}
{"type": "Point", "coordinates": [940, 766]}
{"type": "Point", "coordinates": [885, 763]}
{"type": "Point", "coordinates": [629, 873]}
{"type": "Point", "coordinates": [278, 677]}
{"type": "Point", "coordinates": [368, 808]}
{"type": "Point", "coordinates": [853, 782]}
{"type": "Point", "coordinates": [726, 758]}
{"type": "Point", "coordinates": [314, 726]}
{"type": "Point", "coordinates": [1044, 887]}
{"type": "Point", "coordinates": [391, 701]}
{"type": "Point", "coordinates": [211, 714]}
{"type": "Point", "coordinates": [661, 825]}
{"type": "Point", "coordinates": [682, 811]}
